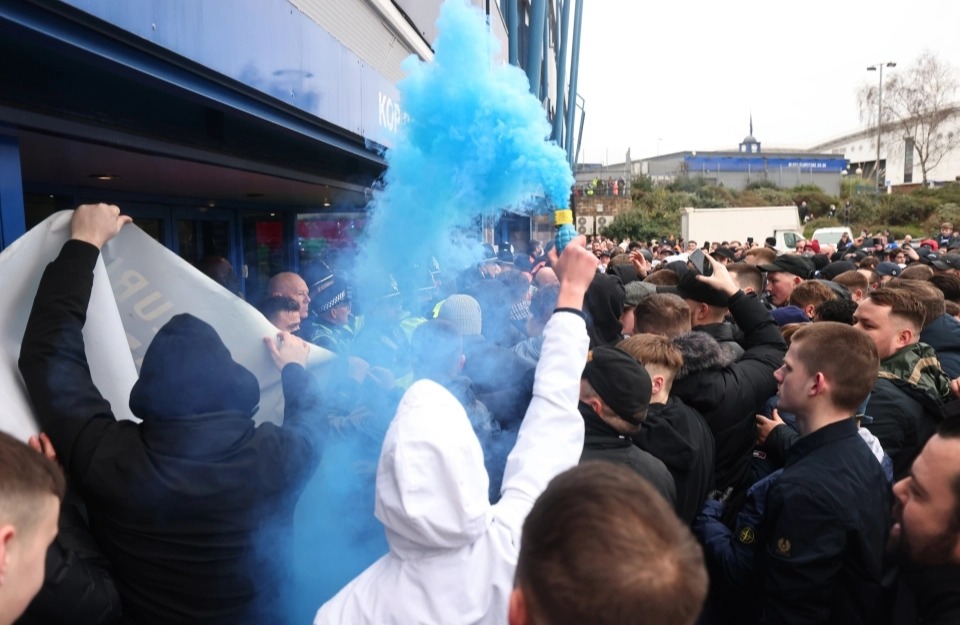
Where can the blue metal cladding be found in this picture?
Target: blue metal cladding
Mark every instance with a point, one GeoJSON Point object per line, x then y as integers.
{"type": "Point", "coordinates": [538, 16]}
{"type": "Point", "coordinates": [12, 223]}
{"type": "Point", "coordinates": [268, 45]}
{"type": "Point", "coordinates": [763, 163]}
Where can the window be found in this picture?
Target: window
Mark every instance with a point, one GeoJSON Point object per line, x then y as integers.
{"type": "Point", "coordinates": [908, 150]}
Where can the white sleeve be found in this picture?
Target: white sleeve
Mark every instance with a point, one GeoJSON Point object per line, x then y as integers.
{"type": "Point", "coordinates": [550, 440]}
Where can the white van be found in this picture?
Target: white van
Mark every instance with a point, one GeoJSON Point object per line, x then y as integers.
{"type": "Point", "coordinates": [787, 240]}
{"type": "Point", "coordinates": [830, 236]}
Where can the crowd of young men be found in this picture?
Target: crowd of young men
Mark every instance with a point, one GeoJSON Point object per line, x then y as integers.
{"type": "Point", "coordinates": [790, 420]}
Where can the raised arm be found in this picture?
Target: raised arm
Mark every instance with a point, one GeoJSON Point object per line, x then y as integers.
{"type": "Point", "coordinates": [551, 435]}
{"type": "Point", "coordinates": [53, 359]}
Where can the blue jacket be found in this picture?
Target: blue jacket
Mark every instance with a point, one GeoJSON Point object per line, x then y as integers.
{"type": "Point", "coordinates": [731, 554]}
{"type": "Point", "coordinates": [943, 335]}
{"type": "Point", "coordinates": [824, 532]}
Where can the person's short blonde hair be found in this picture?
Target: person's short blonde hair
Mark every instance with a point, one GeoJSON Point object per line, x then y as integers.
{"type": "Point", "coordinates": [811, 292]}
{"type": "Point", "coordinates": [655, 350]}
{"type": "Point", "coordinates": [853, 280]}
{"type": "Point", "coordinates": [761, 255]}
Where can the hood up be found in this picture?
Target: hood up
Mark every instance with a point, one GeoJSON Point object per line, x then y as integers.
{"type": "Point", "coordinates": [431, 481]}
{"type": "Point", "coordinates": [603, 305]}
{"type": "Point", "coordinates": [187, 370]}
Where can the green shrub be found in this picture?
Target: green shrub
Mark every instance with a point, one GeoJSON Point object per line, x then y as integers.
{"type": "Point", "coordinates": [763, 183]}
{"type": "Point", "coordinates": [687, 183]}
{"type": "Point", "coordinates": [639, 224]}
{"type": "Point", "coordinates": [899, 210]}
{"type": "Point", "coordinates": [817, 201]}
{"type": "Point", "coordinates": [775, 197]}
{"type": "Point", "coordinates": [641, 184]}
{"type": "Point", "coordinates": [806, 188]}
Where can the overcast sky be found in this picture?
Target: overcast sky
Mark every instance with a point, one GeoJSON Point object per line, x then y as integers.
{"type": "Point", "coordinates": [674, 76]}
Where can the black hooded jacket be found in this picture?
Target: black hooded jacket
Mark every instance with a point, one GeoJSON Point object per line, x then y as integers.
{"type": "Point", "coordinates": [602, 442]}
{"type": "Point", "coordinates": [730, 394]}
{"type": "Point", "coordinates": [603, 305]}
{"type": "Point", "coordinates": [177, 502]}
{"type": "Point", "coordinates": [678, 436]}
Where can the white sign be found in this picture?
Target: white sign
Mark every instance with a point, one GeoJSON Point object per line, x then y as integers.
{"type": "Point", "coordinates": [138, 286]}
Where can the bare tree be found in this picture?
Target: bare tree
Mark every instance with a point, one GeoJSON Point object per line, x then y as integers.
{"type": "Point", "coordinates": [917, 101]}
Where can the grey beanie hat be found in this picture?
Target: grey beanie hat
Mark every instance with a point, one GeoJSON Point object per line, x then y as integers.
{"type": "Point", "coordinates": [463, 312]}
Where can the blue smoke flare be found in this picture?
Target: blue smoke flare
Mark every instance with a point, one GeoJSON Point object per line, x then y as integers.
{"type": "Point", "coordinates": [474, 143]}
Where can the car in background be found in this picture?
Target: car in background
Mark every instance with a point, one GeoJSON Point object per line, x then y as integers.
{"type": "Point", "coordinates": [830, 236]}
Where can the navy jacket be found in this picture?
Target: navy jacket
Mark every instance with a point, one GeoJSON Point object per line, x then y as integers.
{"type": "Point", "coordinates": [824, 532]}
{"type": "Point", "coordinates": [731, 554]}
{"type": "Point", "coordinates": [943, 335]}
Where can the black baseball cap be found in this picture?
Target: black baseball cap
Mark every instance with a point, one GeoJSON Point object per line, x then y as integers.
{"type": "Point", "coordinates": [691, 288]}
{"type": "Point", "coordinates": [790, 263]}
{"type": "Point", "coordinates": [947, 261]}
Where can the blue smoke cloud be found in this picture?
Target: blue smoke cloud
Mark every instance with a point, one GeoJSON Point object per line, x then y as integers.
{"type": "Point", "coordinates": [475, 143]}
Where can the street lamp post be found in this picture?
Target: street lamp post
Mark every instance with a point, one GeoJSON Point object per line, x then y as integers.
{"type": "Point", "coordinates": [874, 68]}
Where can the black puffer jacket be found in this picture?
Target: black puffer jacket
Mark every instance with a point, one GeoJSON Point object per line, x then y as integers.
{"type": "Point", "coordinates": [730, 394]}
{"type": "Point", "coordinates": [178, 502]}
{"type": "Point", "coordinates": [727, 334]}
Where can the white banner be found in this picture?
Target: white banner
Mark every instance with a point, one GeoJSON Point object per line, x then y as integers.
{"type": "Point", "coordinates": [138, 286]}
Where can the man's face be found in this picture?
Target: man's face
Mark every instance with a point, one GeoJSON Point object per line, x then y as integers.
{"type": "Point", "coordinates": [794, 382]}
{"type": "Point", "coordinates": [945, 231]}
{"type": "Point", "coordinates": [287, 320]}
{"type": "Point", "coordinates": [926, 530]}
{"type": "Point", "coordinates": [25, 555]}
{"type": "Point", "coordinates": [295, 288]}
{"type": "Point", "coordinates": [780, 286]}
{"type": "Point", "coordinates": [882, 327]}
{"type": "Point", "coordinates": [691, 245]}
{"type": "Point", "coordinates": [340, 315]}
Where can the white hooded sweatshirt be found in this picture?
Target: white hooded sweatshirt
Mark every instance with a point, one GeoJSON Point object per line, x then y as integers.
{"type": "Point", "coordinates": [452, 555]}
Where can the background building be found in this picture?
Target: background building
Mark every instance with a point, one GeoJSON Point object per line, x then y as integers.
{"type": "Point", "coordinates": [248, 129]}
{"type": "Point", "coordinates": [899, 161]}
{"type": "Point", "coordinates": [735, 169]}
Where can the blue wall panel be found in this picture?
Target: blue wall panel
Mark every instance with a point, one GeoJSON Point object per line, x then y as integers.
{"type": "Point", "coordinates": [759, 162]}
{"type": "Point", "coordinates": [268, 45]}
{"type": "Point", "coordinates": [12, 223]}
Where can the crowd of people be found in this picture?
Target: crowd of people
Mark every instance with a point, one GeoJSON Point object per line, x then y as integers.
{"type": "Point", "coordinates": [657, 431]}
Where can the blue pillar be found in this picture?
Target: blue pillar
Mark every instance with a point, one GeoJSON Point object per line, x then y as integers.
{"type": "Point", "coordinates": [12, 222]}
{"type": "Point", "coordinates": [560, 115]}
{"type": "Point", "coordinates": [538, 15]}
{"type": "Point", "coordinates": [574, 73]}
{"type": "Point", "coordinates": [513, 32]}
